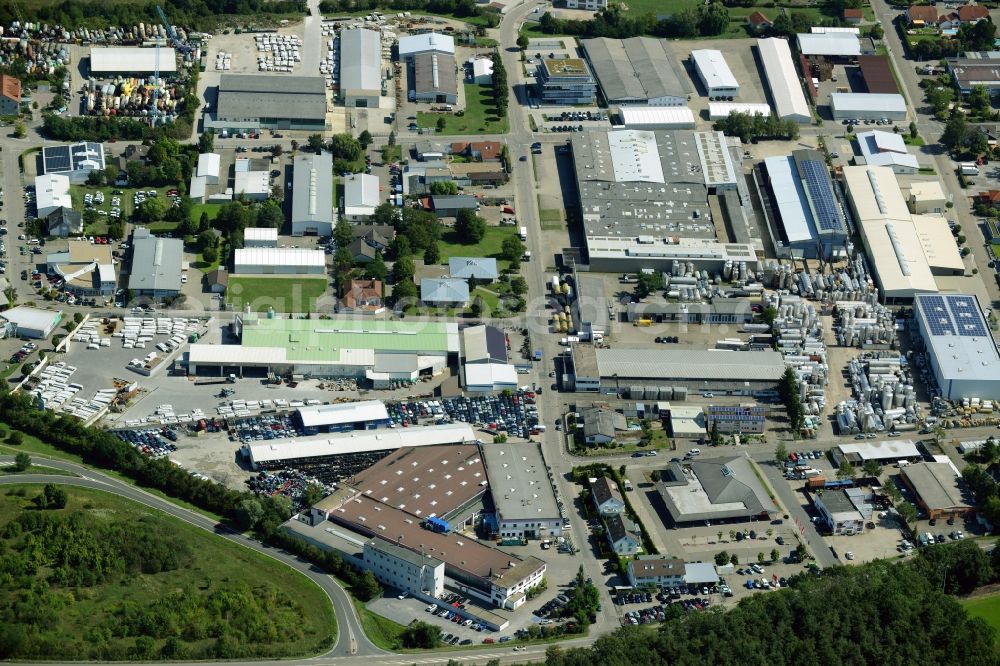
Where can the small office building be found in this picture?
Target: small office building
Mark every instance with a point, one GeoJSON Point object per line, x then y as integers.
{"type": "Point", "coordinates": [76, 161]}
{"type": "Point", "coordinates": [361, 196]}
{"type": "Point", "coordinates": [565, 81]}
{"type": "Point", "coordinates": [28, 322]}
{"type": "Point", "coordinates": [844, 511]}
{"type": "Point", "coordinates": [404, 569]}
{"type": "Point", "coordinates": [156, 265]}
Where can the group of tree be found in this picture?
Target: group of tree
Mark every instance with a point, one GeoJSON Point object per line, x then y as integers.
{"type": "Point", "coordinates": [197, 14]}
{"type": "Point", "coordinates": [962, 140]}
{"type": "Point", "coordinates": [463, 9]}
{"type": "Point", "coordinates": [469, 227]}
{"type": "Point", "coordinates": [648, 283]}
{"type": "Point", "coordinates": [788, 391]}
{"type": "Point", "coordinates": [986, 492]}
{"type": "Point", "coordinates": [977, 36]}
{"type": "Point", "coordinates": [705, 20]}
{"type": "Point", "coordinates": [753, 127]}
{"type": "Point", "coordinates": [499, 84]}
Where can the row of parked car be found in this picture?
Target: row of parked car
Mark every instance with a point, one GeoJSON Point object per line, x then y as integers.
{"type": "Point", "coordinates": [150, 441]}
{"type": "Point", "coordinates": [514, 414]}
{"type": "Point", "coordinates": [23, 352]}
{"type": "Point", "coordinates": [260, 428]}
{"type": "Point", "coordinates": [454, 616]}
{"type": "Point", "coordinates": [553, 607]}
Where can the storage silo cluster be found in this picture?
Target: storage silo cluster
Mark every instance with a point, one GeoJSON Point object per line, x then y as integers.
{"type": "Point", "coordinates": [866, 324]}
{"type": "Point", "coordinates": [885, 397]}
{"type": "Point", "coordinates": [798, 335]}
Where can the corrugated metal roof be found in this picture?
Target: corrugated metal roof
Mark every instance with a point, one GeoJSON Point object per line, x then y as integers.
{"type": "Point", "coordinates": [312, 192]}
{"type": "Point", "coordinates": [657, 116]}
{"type": "Point", "coordinates": [156, 262]}
{"type": "Point", "coordinates": [260, 234]}
{"type": "Point", "coordinates": [635, 69]}
{"type": "Point", "coordinates": [360, 60]}
{"type": "Point", "coordinates": [361, 194]}
{"type": "Point", "coordinates": [690, 364]}
{"type": "Point", "coordinates": [713, 69]}
{"type": "Point", "coordinates": [209, 164]}
{"type": "Point", "coordinates": [428, 41]}
{"type": "Point", "coordinates": [867, 102]}
{"type": "Point", "coordinates": [140, 60]}
{"type": "Point", "coordinates": [789, 195]}
{"type": "Point", "coordinates": [836, 44]}
{"type": "Point", "coordinates": [313, 416]}
{"type": "Point", "coordinates": [783, 79]}
{"type": "Point", "coordinates": [718, 110]}
{"type": "Point", "coordinates": [278, 256]}
{"type": "Point", "coordinates": [433, 290]}
{"type": "Point", "coordinates": [243, 96]}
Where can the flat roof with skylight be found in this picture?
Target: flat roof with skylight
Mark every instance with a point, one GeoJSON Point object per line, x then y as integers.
{"type": "Point", "coordinates": [519, 481]}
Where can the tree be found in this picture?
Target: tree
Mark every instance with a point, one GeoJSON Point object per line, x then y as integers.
{"type": "Point", "coordinates": [846, 471]}
{"type": "Point", "coordinates": [655, 476]}
{"type": "Point", "coordinates": [376, 268]}
{"type": "Point", "coordinates": [421, 635]}
{"type": "Point", "coordinates": [913, 130]}
{"type": "Point", "coordinates": [315, 143]}
{"type": "Point", "coordinates": [908, 513]}
{"type": "Point", "coordinates": [522, 42]}
{"type": "Point", "coordinates": [20, 131]}
{"type": "Point", "coordinates": [432, 255]}
{"type": "Point", "coordinates": [277, 150]}
{"type": "Point", "coordinates": [365, 139]}
{"type": "Point", "coordinates": [206, 142]}
{"type": "Point", "coordinates": [15, 438]}
{"type": "Point", "coordinates": [403, 270]}
{"type": "Point", "coordinates": [875, 31]}
{"type": "Point", "coordinates": [10, 293]}
{"type": "Point", "coordinates": [893, 492]}
{"type": "Point", "coordinates": [203, 222]}
{"type": "Point", "coordinates": [780, 453]}
{"type": "Point", "coordinates": [345, 147]}
{"type": "Point", "coordinates": [955, 132]}
{"type": "Point", "coordinates": [957, 568]}
{"type": "Point", "coordinates": [734, 559]}
{"type": "Point", "coordinates": [342, 234]}
{"type": "Point", "coordinates": [775, 555]}
{"type": "Point", "coordinates": [367, 587]}
{"type": "Point", "coordinates": [512, 249]}
{"type": "Point", "coordinates": [391, 141]}
{"type": "Point", "coordinates": [769, 314]}
{"type": "Point", "coordinates": [52, 497]}
{"type": "Point", "coordinates": [249, 513]}
{"type": "Point", "coordinates": [801, 552]}
{"type": "Point", "coordinates": [722, 558]}
{"type": "Point", "coordinates": [404, 292]}
{"type": "Point", "coordinates": [647, 283]}
{"type": "Point", "coordinates": [519, 285]}
{"type": "Point", "coordinates": [441, 123]}
{"type": "Point", "coordinates": [760, 558]}
{"type": "Point", "coordinates": [477, 307]}
{"type": "Point", "coordinates": [444, 187]}
{"type": "Point", "coordinates": [872, 468]}
{"type": "Point", "coordinates": [989, 451]}
{"type": "Point", "coordinates": [788, 389]}
{"type": "Point", "coordinates": [210, 255]}
{"type": "Point", "coordinates": [116, 230]}
{"type": "Point", "coordinates": [269, 215]}
{"type": "Point", "coordinates": [469, 227]}
{"type": "Point", "coordinates": [22, 461]}
{"type": "Point", "coordinates": [714, 19]}
{"type": "Point", "coordinates": [152, 209]}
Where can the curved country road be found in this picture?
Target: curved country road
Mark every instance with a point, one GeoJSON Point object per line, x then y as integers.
{"type": "Point", "coordinates": [352, 647]}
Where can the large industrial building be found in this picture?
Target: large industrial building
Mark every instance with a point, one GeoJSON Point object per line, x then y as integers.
{"type": "Point", "coordinates": [257, 101]}
{"type": "Point", "coordinates": [411, 46]}
{"type": "Point", "coordinates": [805, 214]}
{"type": "Point", "coordinates": [108, 62]}
{"type": "Point", "coordinates": [524, 504]}
{"type": "Point", "coordinates": [714, 74]}
{"type": "Point", "coordinates": [25, 321]}
{"type": "Point", "coordinates": [156, 265]}
{"type": "Point", "coordinates": [829, 45]}
{"type": "Point", "coordinates": [565, 81]}
{"type": "Point", "coordinates": [342, 416]}
{"type": "Point", "coordinates": [655, 117]}
{"type": "Point", "coordinates": [867, 106]}
{"type": "Point", "coordinates": [939, 490]}
{"type": "Point", "coordinates": [720, 110]}
{"type": "Point", "coordinates": [433, 78]}
{"type": "Point", "coordinates": [906, 250]}
{"type": "Point", "coordinates": [876, 70]}
{"type": "Point", "coordinates": [710, 489]}
{"type": "Point", "coordinates": [665, 373]}
{"type": "Point", "coordinates": [638, 70]}
{"type": "Point", "coordinates": [967, 73]}
{"type": "Point", "coordinates": [279, 261]}
{"type": "Point", "coordinates": [333, 457]}
{"type": "Point", "coordinates": [312, 194]}
{"type": "Point", "coordinates": [360, 68]}
{"type": "Point", "coordinates": [960, 347]}
{"type": "Point", "coordinates": [783, 80]}
{"type": "Point", "coordinates": [76, 161]}
{"type": "Point", "coordinates": [379, 351]}
{"type": "Point", "coordinates": [644, 200]}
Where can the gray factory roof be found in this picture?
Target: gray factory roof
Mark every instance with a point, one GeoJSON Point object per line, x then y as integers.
{"type": "Point", "coordinates": [639, 184]}
{"type": "Point", "coordinates": [360, 60]}
{"type": "Point", "coordinates": [714, 488]}
{"type": "Point", "coordinates": [243, 96]}
{"type": "Point", "coordinates": [937, 484]}
{"type": "Point", "coordinates": [639, 68]}
{"type": "Point", "coordinates": [519, 481]}
{"type": "Point", "coordinates": [312, 191]}
{"type": "Point", "coordinates": [156, 262]}
{"type": "Point", "coordinates": [958, 335]}
{"type": "Point", "coordinates": [690, 364]}
{"type": "Point", "coordinates": [405, 554]}
{"type": "Point", "coordinates": [434, 72]}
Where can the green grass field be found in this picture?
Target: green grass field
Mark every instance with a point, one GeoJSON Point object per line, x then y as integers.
{"type": "Point", "coordinates": [488, 247]}
{"type": "Point", "coordinates": [78, 630]}
{"type": "Point", "coordinates": [35, 469]}
{"type": "Point", "coordinates": [76, 193]}
{"type": "Point", "coordinates": [381, 631]}
{"type": "Point", "coordinates": [985, 607]}
{"type": "Point", "coordinates": [281, 293]}
{"type": "Point", "coordinates": [480, 115]}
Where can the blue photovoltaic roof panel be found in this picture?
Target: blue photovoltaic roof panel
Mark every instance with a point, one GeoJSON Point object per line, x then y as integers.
{"type": "Point", "coordinates": [968, 319]}
{"type": "Point", "coordinates": [937, 315]}
{"type": "Point", "coordinates": [818, 181]}
{"type": "Point", "coordinates": [57, 159]}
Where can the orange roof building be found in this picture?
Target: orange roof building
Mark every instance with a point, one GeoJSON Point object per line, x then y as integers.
{"type": "Point", "coordinates": [972, 13]}
{"type": "Point", "coordinates": [10, 95]}
{"type": "Point", "coordinates": [758, 20]}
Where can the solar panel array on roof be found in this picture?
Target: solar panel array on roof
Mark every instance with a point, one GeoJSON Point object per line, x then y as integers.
{"type": "Point", "coordinates": [57, 159]}
{"type": "Point", "coordinates": [937, 315]}
{"type": "Point", "coordinates": [817, 179]}
{"type": "Point", "coordinates": [966, 315]}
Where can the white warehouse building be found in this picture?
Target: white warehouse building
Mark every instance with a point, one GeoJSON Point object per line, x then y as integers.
{"type": "Point", "coordinates": [867, 106]}
{"type": "Point", "coordinates": [260, 237]}
{"type": "Point", "coordinates": [960, 347]}
{"type": "Point", "coordinates": [714, 73]}
{"type": "Point", "coordinates": [279, 261]}
{"type": "Point", "coordinates": [783, 80]}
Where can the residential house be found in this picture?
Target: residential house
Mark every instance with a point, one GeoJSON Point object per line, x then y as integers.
{"type": "Point", "coordinates": [429, 150]}
{"type": "Point", "coordinates": [989, 198]}
{"type": "Point", "coordinates": [972, 14]}
{"type": "Point", "coordinates": [853, 16]}
{"type": "Point", "coordinates": [920, 16]}
{"type": "Point", "coordinates": [217, 281]}
{"type": "Point", "coordinates": [606, 497]}
{"type": "Point", "coordinates": [487, 178]}
{"type": "Point", "coordinates": [361, 252]}
{"type": "Point", "coordinates": [656, 571]}
{"type": "Point", "coordinates": [132, 153]}
{"type": "Point", "coordinates": [10, 95]}
{"type": "Point", "coordinates": [444, 292]}
{"type": "Point", "coordinates": [759, 22]}
{"type": "Point", "coordinates": [623, 535]}
{"type": "Point", "coordinates": [448, 205]}
{"type": "Point", "coordinates": [63, 222]}
{"type": "Point", "coordinates": [600, 426]}
{"type": "Point", "coordinates": [376, 235]}
{"type": "Point", "coordinates": [483, 269]}
{"type": "Point", "coordinates": [480, 151]}
{"type": "Point", "coordinates": [362, 297]}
